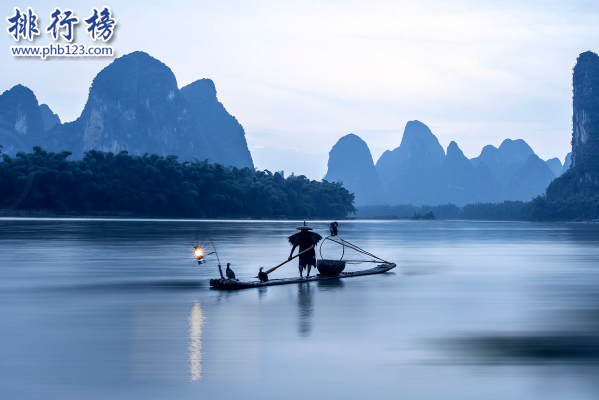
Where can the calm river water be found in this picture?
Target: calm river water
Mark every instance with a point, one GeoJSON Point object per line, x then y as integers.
{"type": "Point", "coordinates": [119, 309]}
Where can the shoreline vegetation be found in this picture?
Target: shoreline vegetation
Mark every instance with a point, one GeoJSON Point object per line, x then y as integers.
{"type": "Point", "coordinates": [575, 208]}
{"type": "Point", "coordinates": [104, 184]}
{"type": "Point", "coordinates": [471, 212]}
{"type": "Point", "coordinates": [31, 213]}
{"type": "Point", "coordinates": [155, 186]}
{"type": "Point", "coordinates": [505, 211]}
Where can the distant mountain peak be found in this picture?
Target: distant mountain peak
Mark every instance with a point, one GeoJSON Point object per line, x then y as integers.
{"type": "Point", "coordinates": [587, 56]}
{"type": "Point", "coordinates": [352, 141]}
{"type": "Point", "coordinates": [584, 118]}
{"type": "Point", "coordinates": [490, 150]}
{"type": "Point", "coordinates": [20, 119]}
{"type": "Point", "coordinates": [391, 163]}
{"type": "Point", "coordinates": [223, 132]}
{"type": "Point", "coordinates": [582, 176]}
{"type": "Point", "coordinates": [453, 150]}
{"type": "Point", "coordinates": [203, 87]}
{"type": "Point", "coordinates": [414, 129]}
{"type": "Point", "coordinates": [456, 158]}
{"type": "Point", "coordinates": [50, 119]}
{"type": "Point", "coordinates": [134, 104]}
{"type": "Point", "coordinates": [515, 151]}
{"type": "Point", "coordinates": [350, 162]}
{"type": "Point", "coordinates": [19, 93]}
{"type": "Point", "coordinates": [490, 155]}
{"type": "Point", "coordinates": [555, 165]}
{"type": "Point", "coordinates": [133, 76]}
{"type": "Point", "coordinates": [19, 89]}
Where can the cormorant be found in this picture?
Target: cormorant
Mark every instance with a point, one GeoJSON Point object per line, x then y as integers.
{"type": "Point", "coordinates": [262, 275]}
{"type": "Point", "coordinates": [229, 272]}
{"type": "Point", "coordinates": [333, 227]}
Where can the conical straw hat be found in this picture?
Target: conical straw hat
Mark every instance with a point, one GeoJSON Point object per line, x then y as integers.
{"type": "Point", "coordinates": [304, 228]}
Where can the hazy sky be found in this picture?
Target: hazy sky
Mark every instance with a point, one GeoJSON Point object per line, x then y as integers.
{"type": "Point", "coordinates": [299, 75]}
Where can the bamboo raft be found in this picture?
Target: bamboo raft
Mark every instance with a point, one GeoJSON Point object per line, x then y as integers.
{"type": "Point", "coordinates": [229, 284]}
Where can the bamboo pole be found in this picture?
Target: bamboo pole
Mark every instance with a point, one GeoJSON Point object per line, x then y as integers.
{"type": "Point", "coordinates": [285, 262]}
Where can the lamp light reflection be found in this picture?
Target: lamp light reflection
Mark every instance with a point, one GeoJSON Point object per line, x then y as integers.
{"type": "Point", "coordinates": [196, 320]}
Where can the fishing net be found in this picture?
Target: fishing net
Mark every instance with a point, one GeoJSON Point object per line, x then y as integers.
{"type": "Point", "coordinates": [337, 248]}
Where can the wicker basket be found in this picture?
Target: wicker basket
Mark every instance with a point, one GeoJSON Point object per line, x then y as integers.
{"type": "Point", "coordinates": [330, 267]}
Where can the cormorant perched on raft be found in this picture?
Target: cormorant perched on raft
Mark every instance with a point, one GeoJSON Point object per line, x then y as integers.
{"type": "Point", "coordinates": [333, 227]}
{"type": "Point", "coordinates": [262, 275]}
{"type": "Point", "coordinates": [304, 239]}
{"type": "Point", "coordinates": [229, 272]}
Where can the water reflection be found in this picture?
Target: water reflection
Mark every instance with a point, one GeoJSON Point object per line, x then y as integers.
{"type": "Point", "coordinates": [541, 347]}
{"type": "Point", "coordinates": [305, 302]}
{"type": "Point", "coordinates": [225, 296]}
{"type": "Point", "coordinates": [196, 320]}
{"type": "Point", "coordinates": [330, 285]}
{"type": "Point", "coordinates": [305, 309]}
{"type": "Point", "coordinates": [117, 309]}
{"type": "Point", "coordinates": [262, 291]}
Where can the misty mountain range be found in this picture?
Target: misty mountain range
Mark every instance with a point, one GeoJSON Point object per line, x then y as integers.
{"type": "Point", "coordinates": [421, 172]}
{"type": "Point", "coordinates": [134, 104]}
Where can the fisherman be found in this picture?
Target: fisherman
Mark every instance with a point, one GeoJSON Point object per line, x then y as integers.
{"type": "Point", "coordinates": [304, 239]}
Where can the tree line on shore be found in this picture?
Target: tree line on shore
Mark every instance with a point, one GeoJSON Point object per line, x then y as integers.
{"type": "Point", "coordinates": [540, 208]}
{"type": "Point", "coordinates": [505, 211]}
{"type": "Point", "coordinates": [152, 185]}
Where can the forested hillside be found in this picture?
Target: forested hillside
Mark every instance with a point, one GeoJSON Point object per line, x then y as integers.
{"type": "Point", "coordinates": [161, 186]}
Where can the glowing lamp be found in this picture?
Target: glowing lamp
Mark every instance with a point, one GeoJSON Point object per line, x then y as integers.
{"type": "Point", "coordinates": [198, 253]}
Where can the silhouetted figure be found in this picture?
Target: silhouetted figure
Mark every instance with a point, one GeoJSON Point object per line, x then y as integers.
{"type": "Point", "coordinates": [262, 275]}
{"type": "Point", "coordinates": [230, 273]}
{"type": "Point", "coordinates": [304, 239]}
{"type": "Point", "coordinates": [333, 227]}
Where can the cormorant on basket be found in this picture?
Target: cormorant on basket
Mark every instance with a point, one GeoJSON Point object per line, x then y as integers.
{"type": "Point", "coordinates": [333, 228]}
